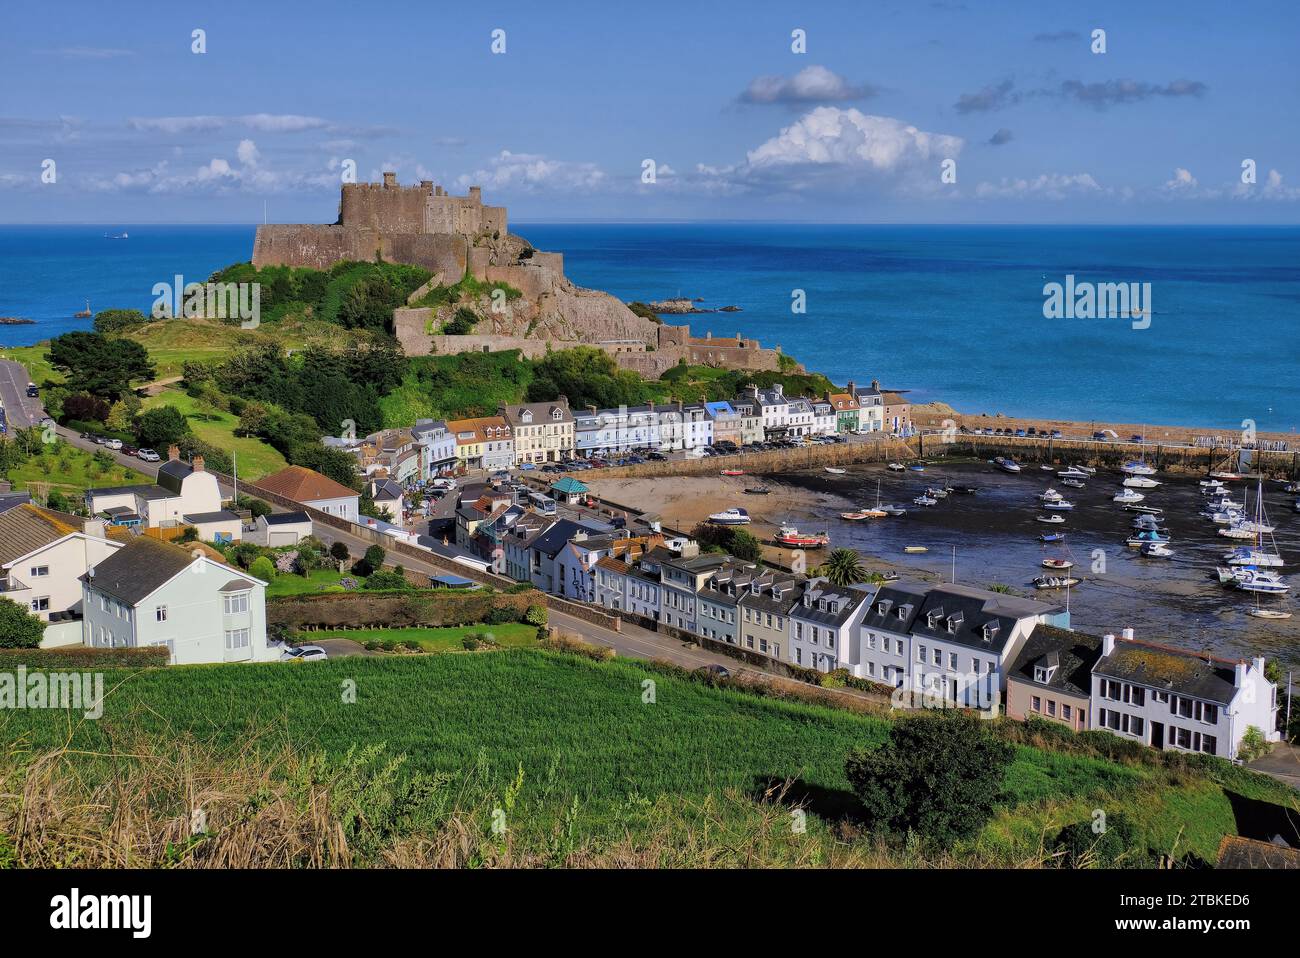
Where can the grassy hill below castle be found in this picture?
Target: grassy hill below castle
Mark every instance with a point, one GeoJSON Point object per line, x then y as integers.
{"type": "Point", "coordinates": [573, 758]}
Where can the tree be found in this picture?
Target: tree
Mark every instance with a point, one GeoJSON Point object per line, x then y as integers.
{"type": "Point", "coordinates": [100, 365]}
{"type": "Point", "coordinates": [938, 775]}
{"type": "Point", "coordinates": [389, 580]}
{"type": "Point", "coordinates": [259, 508]}
{"type": "Point", "coordinates": [18, 628]}
{"type": "Point", "coordinates": [843, 567]}
{"type": "Point", "coordinates": [588, 377]}
{"type": "Point", "coordinates": [462, 323]}
{"type": "Point", "coordinates": [339, 551]}
{"type": "Point", "coordinates": [84, 407]}
{"type": "Point", "coordinates": [161, 427]}
{"type": "Point", "coordinates": [262, 568]}
{"type": "Point", "coordinates": [57, 501]}
{"type": "Point", "coordinates": [118, 320]}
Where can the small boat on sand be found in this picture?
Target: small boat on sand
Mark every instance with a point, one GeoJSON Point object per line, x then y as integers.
{"type": "Point", "coordinates": [1061, 564]}
{"type": "Point", "coordinates": [1270, 613]}
{"type": "Point", "coordinates": [917, 467]}
{"type": "Point", "coordinates": [1052, 537]}
{"type": "Point", "coordinates": [924, 501]}
{"type": "Point", "coordinates": [1140, 482]}
{"type": "Point", "coordinates": [1157, 550]}
{"type": "Point", "coordinates": [758, 490]}
{"type": "Point", "coordinates": [896, 466]}
{"type": "Point", "coordinates": [730, 517]}
{"type": "Point", "coordinates": [1055, 581]}
{"type": "Point", "coordinates": [733, 472]}
{"type": "Point", "coordinates": [893, 510]}
{"type": "Point", "coordinates": [1061, 505]}
{"type": "Point", "coordinates": [1053, 520]}
{"type": "Point", "coordinates": [834, 470]}
{"type": "Point", "coordinates": [1073, 472]}
{"type": "Point", "coordinates": [1074, 483]}
{"type": "Point", "coordinates": [790, 536]}
{"type": "Point", "coordinates": [916, 549]}
{"type": "Point", "coordinates": [1007, 465]}
{"type": "Point", "coordinates": [1128, 497]}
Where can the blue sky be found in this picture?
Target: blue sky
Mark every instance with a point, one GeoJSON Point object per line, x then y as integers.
{"type": "Point", "coordinates": [558, 127]}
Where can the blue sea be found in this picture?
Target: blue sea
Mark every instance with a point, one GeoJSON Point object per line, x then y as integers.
{"type": "Point", "coordinates": [953, 313]}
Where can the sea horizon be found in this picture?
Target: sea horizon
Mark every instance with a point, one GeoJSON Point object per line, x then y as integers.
{"type": "Point", "coordinates": [949, 312]}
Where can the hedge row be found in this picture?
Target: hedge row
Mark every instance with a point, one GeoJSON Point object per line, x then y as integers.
{"type": "Point", "coordinates": [357, 610]}
{"type": "Point", "coordinates": [82, 657]}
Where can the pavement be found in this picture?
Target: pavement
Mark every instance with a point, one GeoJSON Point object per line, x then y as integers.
{"type": "Point", "coordinates": [21, 411]}
{"type": "Point", "coordinates": [1282, 763]}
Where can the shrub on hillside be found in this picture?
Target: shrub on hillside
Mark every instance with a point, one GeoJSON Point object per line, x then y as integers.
{"type": "Point", "coordinates": [1104, 842]}
{"type": "Point", "coordinates": [938, 775]}
{"type": "Point", "coordinates": [262, 568]}
{"type": "Point", "coordinates": [18, 628]}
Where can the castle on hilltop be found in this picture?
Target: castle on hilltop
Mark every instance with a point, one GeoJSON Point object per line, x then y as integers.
{"type": "Point", "coordinates": [455, 236]}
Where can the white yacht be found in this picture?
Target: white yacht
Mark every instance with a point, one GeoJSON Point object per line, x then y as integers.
{"type": "Point", "coordinates": [1128, 496]}
{"type": "Point", "coordinates": [1140, 482]}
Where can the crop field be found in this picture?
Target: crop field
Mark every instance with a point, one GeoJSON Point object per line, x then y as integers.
{"type": "Point", "coordinates": [594, 741]}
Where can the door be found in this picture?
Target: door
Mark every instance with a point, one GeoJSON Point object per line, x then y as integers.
{"type": "Point", "coordinates": [1158, 735]}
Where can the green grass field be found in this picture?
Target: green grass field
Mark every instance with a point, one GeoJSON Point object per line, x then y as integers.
{"type": "Point", "coordinates": [589, 736]}
{"type": "Point", "coordinates": [509, 635]}
{"type": "Point", "coordinates": [321, 580]}
{"type": "Point", "coordinates": [70, 469]}
{"type": "Point", "coordinates": [217, 428]}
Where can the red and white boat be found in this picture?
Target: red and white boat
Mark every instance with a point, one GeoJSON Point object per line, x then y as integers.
{"type": "Point", "coordinates": [733, 472]}
{"type": "Point", "coordinates": [790, 536]}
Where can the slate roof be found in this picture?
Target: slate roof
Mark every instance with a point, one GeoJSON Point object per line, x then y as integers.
{"type": "Point", "coordinates": [172, 473]}
{"type": "Point", "coordinates": [542, 412]}
{"type": "Point", "coordinates": [847, 602]}
{"type": "Point", "coordinates": [1238, 852]}
{"type": "Point", "coordinates": [887, 602]}
{"type": "Point", "coordinates": [304, 485]}
{"type": "Point", "coordinates": [9, 500]}
{"type": "Point", "coordinates": [550, 542]}
{"type": "Point", "coordinates": [764, 601]}
{"type": "Point", "coordinates": [387, 489]}
{"type": "Point", "coordinates": [138, 569]}
{"type": "Point", "coordinates": [221, 515]}
{"type": "Point", "coordinates": [147, 491]}
{"type": "Point", "coordinates": [286, 518]}
{"type": "Point", "coordinates": [1075, 653]}
{"type": "Point", "coordinates": [968, 611]}
{"type": "Point", "coordinates": [28, 527]}
{"type": "Point", "coordinates": [1169, 669]}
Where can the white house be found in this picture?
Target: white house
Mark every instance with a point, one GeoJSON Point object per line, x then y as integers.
{"type": "Point", "coordinates": [154, 593]}
{"type": "Point", "coordinates": [774, 407]}
{"type": "Point", "coordinates": [437, 447]}
{"type": "Point", "coordinates": [871, 407]}
{"type": "Point", "coordinates": [1176, 699]}
{"type": "Point", "coordinates": [183, 489]}
{"type": "Point", "coordinates": [309, 488]}
{"type": "Point", "coordinates": [950, 640]}
{"type": "Point", "coordinates": [279, 529]}
{"type": "Point", "coordinates": [823, 622]}
{"type": "Point", "coordinates": [43, 555]}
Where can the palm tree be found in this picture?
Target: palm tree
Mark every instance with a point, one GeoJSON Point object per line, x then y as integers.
{"type": "Point", "coordinates": [843, 567]}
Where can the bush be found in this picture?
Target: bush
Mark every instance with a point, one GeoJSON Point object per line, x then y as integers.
{"type": "Point", "coordinates": [1253, 745]}
{"type": "Point", "coordinates": [260, 507]}
{"type": "Point", "coordinates": [1110, 842]}
{"type": "Point", "coordinates": [83, 657]}
{"type": "Point", "coordinates": [566, 642]}
{"type": "Point", "coordinates": [262, 568]}
{"type": "Point", "coordinates": [536, 615]}
{"type": "Point", "coordinates": [500, 615]}
{"type": "Point", "coordinates": [18, 628]}
{"type": "Point", "coordinates": [339, 551]}
{"type": "Point", "coordinates": [389, 581]}
{"type": "Point", "coordinates": [938, 775]}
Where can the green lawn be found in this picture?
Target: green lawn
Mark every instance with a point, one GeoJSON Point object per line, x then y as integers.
{"type": "Point", "coordinates": [595, 747]}
{"type": "Point", "coordinates": [70, 469]}
{"type": "Point", "coordinates": [510, 635]}
{"type": "Point", "coordinates": [322, 580]}
{"type": "Point", "coordinates": [217, 428]}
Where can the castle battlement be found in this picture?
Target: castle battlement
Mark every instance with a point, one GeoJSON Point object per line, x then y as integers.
{"type": "Point", "coordinates": [389, 207]}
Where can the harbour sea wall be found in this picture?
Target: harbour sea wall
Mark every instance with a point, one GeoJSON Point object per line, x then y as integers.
{"type": "Point", "coordinates": [1174, 458]}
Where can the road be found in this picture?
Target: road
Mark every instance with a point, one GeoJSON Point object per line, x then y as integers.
{"type": "Point", "coordinates": [21, 411]}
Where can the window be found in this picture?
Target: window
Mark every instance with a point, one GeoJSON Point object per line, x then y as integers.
{"type": "Point", "coordinates": [160, 613]}
{"type": "Point", "coordinates": [41, 604]}
{"type": "Point", "coordinates": [938, 657]}
{"type": "Point", "coordinates": [1066, 712]}
{"type": "Point", "coordinates": [871, 641]}
{"type": "Point", "coordinates": [1209, 745]}
{"type": "Point", "coordinates": [898, 646]}
{"type": "Point", "coordinates": [871, 669]}
{"type": "Point", "coordinates": [920, 654]}
{"type": "Point", "coordinates": [952, 661]}
{"type": "Point", "coordinates": [40, 571]}
{"type": "Point", "coordinates": [236, 639]}
{"type": "Point", "coordinates": [1036, 703]}
{"type": "Point", "coordinates": [798, 656]}
{"type": "Point", "coordinates": [1051, 707]}
{"type": "Point", "coordinates": [235, 603]}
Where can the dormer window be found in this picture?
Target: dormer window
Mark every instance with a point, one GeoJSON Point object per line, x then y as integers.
{"type": "Point", "coordinates": [1043, 674]}
{"type": "Point", "coordinates": [991, 630]}
{"type": "Point", "coordinates": [526, 416]}
{"type": "Point", "coordinates": [884, 605]}
{"type": "Point", "coordinates": [755, 587]}
{"type": "Point", "coordinates": [557, 415]}
{"type": "Point", "coordinates": [904, 611]}
{"type": "Point", "coordinates": [954, 622]}
{"type": "Point", "coordinates": [776, 592]}
{"type": "Point", "coordinates": [807, 600]}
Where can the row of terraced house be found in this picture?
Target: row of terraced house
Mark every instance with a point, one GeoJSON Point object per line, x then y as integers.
{"type": "Point", "coordinates": [945, 645]}
{"type": "Point", "coordinates": [547, 432]}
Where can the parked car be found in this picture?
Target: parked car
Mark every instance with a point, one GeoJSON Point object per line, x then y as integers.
{"type": "Point", "coordinates": [655, 456]}
{"type": "Point", "coordinates": [148, 455]}
{"type": "Point", "coordinates": [32, 391]}
{"type": "Point", "coordinates": [114, 444]}
{"type": "Point", "coordinates": [1056, 434]}
{"type": "Point", "coordinates": [304, 653]}
{"type": "Point", "coordinates": [1020, 433]}
{"type": "Point", "coordinates": [527, 466]}
{"type": "Point", "coordinates": [129, 450]}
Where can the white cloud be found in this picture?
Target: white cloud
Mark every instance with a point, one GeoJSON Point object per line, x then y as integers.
{"type": "Point", "coordinates": [1182, 180]}
{"type": "Point", "coordinates": [814, 84]}
{"type": "Point", "coordinates": [530, 172]}
{"type": "Point", "coordinates": [1051, 186]}
{"type": "Point", "coordinates": [247, 153]}
{"type": "Point", "coordinates": [832, 136]}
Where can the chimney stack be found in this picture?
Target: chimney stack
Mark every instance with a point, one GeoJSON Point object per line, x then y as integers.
{"type": "Point", "coordinates": [1108, 643]}
{"type": "Point", "coordinates": [1258, 663]}
{"type": "Point", "coordinates": [173, 453]}
{"type": "Point", "coordinates": [1239, 675]}
{"type": "Point", "coordinates": [851, 389]}
{"type": "Point", "coordinates": [1128, 635]}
